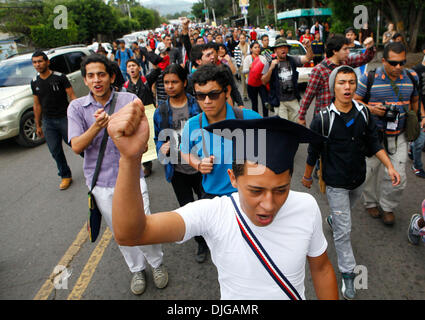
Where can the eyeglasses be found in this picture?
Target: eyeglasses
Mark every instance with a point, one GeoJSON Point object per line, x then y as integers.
{"type": "Point", "coordinates": [395, 63]}
{"type": "Point", "coordinates": [213, 95]}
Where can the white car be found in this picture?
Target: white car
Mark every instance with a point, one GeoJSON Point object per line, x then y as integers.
{"type": "Point", "coordinates": [16, 99]}
{"type": "Point", "coordinates": [95, 45]}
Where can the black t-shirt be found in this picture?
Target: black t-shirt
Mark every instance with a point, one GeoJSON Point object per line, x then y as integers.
{"type": "Point", "coordinates": [52, 95]}
{"type": "Point", "coordinates": [349, 118]}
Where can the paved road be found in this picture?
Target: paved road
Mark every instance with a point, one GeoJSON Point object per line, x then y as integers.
{"type": "Point", "coordinates": [40, 224]}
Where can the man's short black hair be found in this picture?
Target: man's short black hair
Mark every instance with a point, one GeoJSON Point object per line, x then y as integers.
{"type": "Point", "coordinates": [239, 169]}
{"type": "Point", "coordinates": [396, 47]}
{"type": "Point", "coordinates": [264, 36]}
{"type": "Point", "coordinates": [350, 29]}
{"type": "Point", "coordinates": [132, 60]}
{"type": "Point", "coordinates": [176, 69]}
{"type": "Point", "coordinates": [96, 58]}
{"type": "Point", "coordinates": [396, 35]}
{"type": "Point", "coordinates": [40, 53]}
{"type": "Point", "coordinates": [335, 43]}
{"type": "Point", "coordinates": [196, 54]}
{"type": "Point", "coordinates": [210, 45]}
{"type": "Point", "coordinates": [211, 72]}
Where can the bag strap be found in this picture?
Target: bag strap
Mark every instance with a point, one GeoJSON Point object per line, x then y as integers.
{"type": "Point", "coordinates": [103, 144]}
{"type": "Point", "coordinates": [370, 80]}
{"type": "Point", "coordinates": [264, 257]}
{"type": "Point", "coordinates": [238, 115]}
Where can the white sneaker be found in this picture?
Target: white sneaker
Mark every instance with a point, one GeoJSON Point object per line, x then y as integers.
{"type": "Point", "coordinates": [138, 283]}
{"type": "Point", "coordinates": [160, 276]}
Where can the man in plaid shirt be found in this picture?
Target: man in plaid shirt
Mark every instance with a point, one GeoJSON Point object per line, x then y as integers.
{"type": "Point", "coordinates": [337, 53]}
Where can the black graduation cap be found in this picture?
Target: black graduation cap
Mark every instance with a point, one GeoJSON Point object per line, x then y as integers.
{"type": "Point", "coordinates": [271, 141]}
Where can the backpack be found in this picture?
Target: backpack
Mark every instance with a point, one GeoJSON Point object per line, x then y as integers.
{"type": "Point", "coordinates": [144, 81]}
{"type": "Point", "coordinates": [327, 119]}
{"type": "Point", "coordinates": [127, 51]}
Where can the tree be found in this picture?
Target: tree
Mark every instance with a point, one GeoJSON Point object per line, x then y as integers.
{"type": "Point", "coordinates": [406, 15]}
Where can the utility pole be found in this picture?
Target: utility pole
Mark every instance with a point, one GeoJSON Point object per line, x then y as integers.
{"type": "Point", "coordinates": [206, 11]}
{"type": "Point", "coordinates": [275, 14]}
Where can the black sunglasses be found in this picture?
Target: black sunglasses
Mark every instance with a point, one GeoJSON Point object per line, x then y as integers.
{"type": "Point", "coordinates": [213, 95]}
{"type": "Point", "coordinates": [395, 63]}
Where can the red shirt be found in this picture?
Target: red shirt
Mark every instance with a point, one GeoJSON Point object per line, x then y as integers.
{"type": "Point", "coordinates": [305, 36]}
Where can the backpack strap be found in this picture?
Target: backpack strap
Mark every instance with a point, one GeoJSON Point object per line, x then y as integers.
{"type": "Point", "coordinates": [327, 122]}
{"type": "Point", "coordinates": [370, 80]}
{"type": "Point", "coordinates": [238, 113]}
{"type": "Point", "coordinates": [163, 110]}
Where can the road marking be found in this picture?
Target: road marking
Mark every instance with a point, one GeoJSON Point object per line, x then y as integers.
{"type": "Point", "coordinates": [47, 288]}
{"type": "Point", "coordinates": [90, 267]}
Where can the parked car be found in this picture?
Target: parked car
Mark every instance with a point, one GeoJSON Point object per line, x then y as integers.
{"type": "Point", "coordinates": [16, 99]}
{"type": "Point", "coordinates": [95, 45]}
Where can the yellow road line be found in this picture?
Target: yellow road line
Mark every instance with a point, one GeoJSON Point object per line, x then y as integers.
{"type": "Point", "coordinates": [90, 267]}
{"type": "Point", "coordinates": [47, 288]}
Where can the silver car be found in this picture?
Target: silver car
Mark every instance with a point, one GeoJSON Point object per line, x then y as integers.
{"type": "Point", "coordinates": [16, 99]}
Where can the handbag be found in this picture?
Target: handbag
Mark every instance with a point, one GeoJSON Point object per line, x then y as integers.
{"type": "Point", "coordinates": [95, 216]}
{"type": "Point", "coordinates": [413, 128]}
{"type": "Point", "coordinates": [264, 257]}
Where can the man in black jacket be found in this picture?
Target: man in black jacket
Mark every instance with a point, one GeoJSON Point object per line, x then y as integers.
{"type": "Point", "coordinates": [352, 135]}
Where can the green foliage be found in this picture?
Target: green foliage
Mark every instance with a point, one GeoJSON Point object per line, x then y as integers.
{"type": "Point", "coordinates": [86, 20]}
{"type": "Point", "coordinates": [46, 36]}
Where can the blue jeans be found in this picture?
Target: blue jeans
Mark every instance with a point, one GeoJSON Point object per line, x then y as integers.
{"type": "Point", "coordinates": [417, 146]}
{"type": "Point", "coordinates": [341, 202]}
{"type": "Point", "coordinates": [56, 130]}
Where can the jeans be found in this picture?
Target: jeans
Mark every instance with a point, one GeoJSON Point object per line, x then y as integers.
{"type": "Point", "coordinates": [417, 146]}
{"type": "Point", "coordinates": [56, 130]}
{"type": "Point", "coordinates": [253, 93]}
{"type": "Point", "coordinates": [341, 202]}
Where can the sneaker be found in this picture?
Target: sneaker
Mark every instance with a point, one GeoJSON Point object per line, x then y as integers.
{"type": "Point", "coordinates": [347, 289]}
{"type": "Point", "coordinates": [65, 183]}
{"type": "Point", "coordinates": [418, 172]}
{"type": "Point", "coordinates": [329, 221]}
{"type": "Point", "coordinates": [201, 255]}
{"type": "Point", "coordinates": [138, 282]}
{"type": "Point", "coordinates": [412, 232]}
{"type": "Point", "coordinates": [160, 276]}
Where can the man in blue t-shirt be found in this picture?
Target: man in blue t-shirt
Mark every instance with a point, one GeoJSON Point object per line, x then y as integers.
{"type": "Point", "coordinates": [210, 154]}
{"type": "Point", "coordinates": [122, 56]}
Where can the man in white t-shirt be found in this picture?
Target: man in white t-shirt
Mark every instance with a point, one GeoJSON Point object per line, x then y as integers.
{"type": "Point", "coordinates": [287, 224]}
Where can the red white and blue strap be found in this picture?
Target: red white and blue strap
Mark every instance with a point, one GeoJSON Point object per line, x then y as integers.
{"type": "Point", "coordinates": [264, 257]}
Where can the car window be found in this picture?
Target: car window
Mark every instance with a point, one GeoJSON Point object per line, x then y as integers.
{"type": "Point", "coordinates": [16, 73]}
{"type": "Point", "coordinates": [297, 50]}
{"type": "Point", "coordinates": [58, 64]}
{"type": "Point", "coordinates": [74, 60]}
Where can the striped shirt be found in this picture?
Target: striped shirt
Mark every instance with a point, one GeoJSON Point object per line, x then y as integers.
{"type": "Point", "coordinates": [382, 92]}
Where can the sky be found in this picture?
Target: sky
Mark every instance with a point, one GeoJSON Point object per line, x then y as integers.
{"type": "Point", "coordinates": [165, 7]}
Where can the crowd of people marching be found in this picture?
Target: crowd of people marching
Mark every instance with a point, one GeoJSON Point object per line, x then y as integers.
{"type": "Point", "coordinates": [363, 123]}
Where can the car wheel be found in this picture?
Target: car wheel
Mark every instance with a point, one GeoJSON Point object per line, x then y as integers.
{"type": "Point", "coordinates": [27, 131]}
